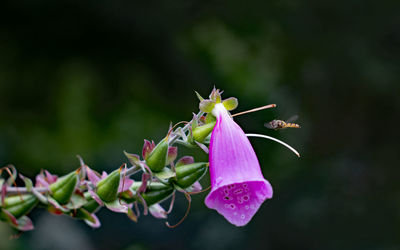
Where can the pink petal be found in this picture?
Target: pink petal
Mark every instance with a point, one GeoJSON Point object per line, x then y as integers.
{"type": "Point", "coordinates": [50, 177]}
{"type": "Point", "coordinates": [118, 206]}
{"type": "Point", "coordinates": [25, 224]}
{"type": "Point", "coordinates": [22, 224]}
{"type": "Point", "coordinates": [147, 148]}
{"type": "Point", "coordinates": [238, 187]}
{"type": "Point", "coordinates": [185, 160]}
{"type": "Point", "coordinates": [196, 187]}
{"type": "Point", "coordinates": [93, 177]}
{"type": "Point", "coordinates": [10, 217]}
{"type": "Point", "coordinates": [143, 186]}
{"type": "Point", "coordinates": [124, 184]}
{"type": "Point", "coordinates": [172, 154]}
{"type": "Point", "coordinates": [40, 181]}
{"type": "Point", "coordinates": [158, 211]}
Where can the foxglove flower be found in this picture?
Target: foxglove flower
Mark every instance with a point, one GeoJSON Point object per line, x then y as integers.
{"type": "Point", "coordinates": [238, 187]}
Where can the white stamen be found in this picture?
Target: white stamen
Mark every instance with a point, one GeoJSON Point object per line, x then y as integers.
{"type": "Point", "coordinates": [274, 139]}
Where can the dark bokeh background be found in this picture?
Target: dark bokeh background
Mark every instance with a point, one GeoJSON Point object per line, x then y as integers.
{"type": "Point", "coordinates": [97, 77]}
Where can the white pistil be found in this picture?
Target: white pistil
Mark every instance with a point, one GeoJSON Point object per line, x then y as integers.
{"type": "Point", "coordinates": [274, 139]}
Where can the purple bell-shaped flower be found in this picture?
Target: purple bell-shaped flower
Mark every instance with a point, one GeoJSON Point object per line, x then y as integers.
{"type": "Point", "coordinates": [238, 187]}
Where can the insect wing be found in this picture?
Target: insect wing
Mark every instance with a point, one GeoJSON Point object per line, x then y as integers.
{"type": "Point", "coordinates": [293, 118]}
{"type": "Point", "coordinates": [269, 125]}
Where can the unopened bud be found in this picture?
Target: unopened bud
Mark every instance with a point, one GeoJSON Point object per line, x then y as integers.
{"type": "Point", "coordinates": [64, 187]}
{"type": "Point", "coordinates": [155, 192]}
{"type": "Point", "coordinates": [187, 175]}
{"type": "Point", "coordinates": [201, 132]}
{"type": "Point", "coordinates": [157, 159]}
{"type": "Point", "coordinates": [107, 189]}
{"type": "Point", "coordinates": [19, 205]}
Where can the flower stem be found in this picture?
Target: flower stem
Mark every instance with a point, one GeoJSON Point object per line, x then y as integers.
{"type": "Point", "coordinates": [24, 190]}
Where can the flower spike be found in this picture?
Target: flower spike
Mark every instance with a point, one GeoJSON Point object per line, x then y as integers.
{"type": "Point", "coordinates": [237, 188]}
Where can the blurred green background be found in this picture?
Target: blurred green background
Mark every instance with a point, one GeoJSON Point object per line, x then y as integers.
{"type": "Point", "coordinates": [97, 77]}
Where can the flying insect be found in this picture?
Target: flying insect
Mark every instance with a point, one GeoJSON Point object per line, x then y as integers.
{"type": "Point", "coordinates": [279, 124]}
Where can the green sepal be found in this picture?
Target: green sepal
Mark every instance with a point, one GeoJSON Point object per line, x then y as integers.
{"type": "Point", "coordinates": [64, 187]}
{"type": "Point", "coordinates": [133, 158]}
{"type": "Point", "coordinates": [201, 132]}
{"type": "Point", "coordinates": [194, 122]}
{"type": "Point", "coordinates": [199, 96]}
{"type": "Point", "coordinates": [210, 118]}
{"type": "Point", "coordinates": [91, 205]}
{"type": "Point", "coordinates": [128, 196]}
{"type": "Point", "coordinates": [19, 205]}
{"type": "Point", "coordinates": [131, 215]}
{"type": "Point", "coordinates": [215, 95]}
{"type": "Point", "coordinates": [27, 181]}
{"type": "Point", "coordinates": [22, 224]}
{"type": "Point", "coordinates": [207, 105]}
{"type": "Point", "coordinates": [55, 207]}
{"type": "Point", "coordinates": [76, 201]}
{"type": "Point", "coordinates": [86, 216]}
{"type": "Point", "coordinates": [83, 214]}
{"type": "Point", "coordinates": [187, 175]}
{"type": "Point", "coordinates": [107, 189]}
{"type": "Point", "coordinates": [117, 205]}
{"type": "Point", "coordinates": [230, 103]}
{"type": "Point", "coordinates": [157, 159]}
{"type": "Point", "coordinates": [165, 173]}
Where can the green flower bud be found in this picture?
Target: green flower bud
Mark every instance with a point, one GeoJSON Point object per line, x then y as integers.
{"type": "Point", "coordinates": [187, 175]}
{"type": "Point", "coordinates": [107, 189]}
{"type": "Point", "coordinates": [155, 193]}
{"type": "Point", "coordinates": [157, 159]}
{"type": "Point", "coordinates": [64, 187]}
{"type": "Point", "coordinates": [19, 205]}
{"type": "Point", "coordinates": [201, 132]}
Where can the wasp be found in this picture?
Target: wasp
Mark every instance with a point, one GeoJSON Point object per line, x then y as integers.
{"type": "Point", "coordinates": [279, 124]}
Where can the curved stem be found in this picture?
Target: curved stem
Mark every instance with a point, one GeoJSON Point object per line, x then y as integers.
{"type": "Point", "coordinates": [274, 139]}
